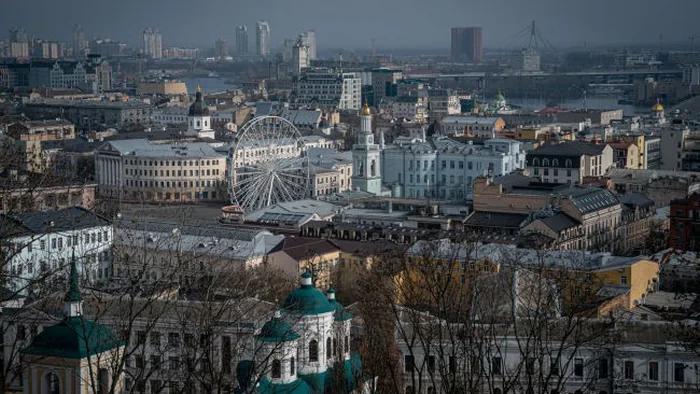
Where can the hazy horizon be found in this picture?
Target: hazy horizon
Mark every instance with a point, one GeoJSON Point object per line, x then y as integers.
{"type": "Point", "coordinates": [400, 24]}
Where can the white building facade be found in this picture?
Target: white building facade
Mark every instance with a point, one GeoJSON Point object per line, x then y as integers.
{"type": "Point", "coordinates": [329, 89]}
{"type": "Point", "coordinates": [44, 242]}
{"type": "Point", "coordinates": [138, 169]}
{"type": "Point", "coordinates": [444, 169]}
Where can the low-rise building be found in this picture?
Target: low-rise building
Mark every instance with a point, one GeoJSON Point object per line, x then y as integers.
{"type": "Point", "coordinates": [92, 114]}
{"type": "Point", "coordinates": [40, 246]}
{"type": "Point", "coordinates": [596, 117]}
{"type": "Point", "coordinates": [329, 89]}
{"type": "Point", "coordinates": [411, 108]}
{"type": "Point", "coordinates": [684, 231]}
{"type": "Point", "coordinates": [443, 102]}
{"type": "Point", "coordinates": [331, 172]}
{"type": "Point", "coordinates": [475, 126]}
{"type": "Point", "coordinates": [442, 168]}
{"type": "Point", "coordinates": [580, 218]}
{"type": "Point", "coordinates": [185, 253]}
{"type": "Point", "coordinates": [625, 155]}
{"type": "Point", "coordinates": [167, 88]}
{"type": "Point", "coordinates": [659, 186]}
{"type": "Point", "coordinates": [140, 170]}
{"type": "Point", "coordinates": [569, 162]}
{"type": "Point", "coordinates": [41, 130]}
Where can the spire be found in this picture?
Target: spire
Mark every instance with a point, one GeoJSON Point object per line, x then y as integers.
{"type": "Point", "coordinates": [365, 109]}
{"type": "Point", "coordinates": [199, 89]}
{"type": "Point", "coordinates": [74, 300]}
{"type": "Point", "coordinates": [73, 294]}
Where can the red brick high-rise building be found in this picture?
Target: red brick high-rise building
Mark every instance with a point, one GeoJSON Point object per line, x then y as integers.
{"type": "Point", "coordinates": [467, 44]}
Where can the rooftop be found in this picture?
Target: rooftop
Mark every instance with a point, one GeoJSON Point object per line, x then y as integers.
{"type": "Point", "coordinates": [569, 148]}
{"type": "Point", "coordinates": [495, 219]}
{"type": "Point", "coordinates": [144, 148]}
{"type": "Point", "coordinates": [50, 221]}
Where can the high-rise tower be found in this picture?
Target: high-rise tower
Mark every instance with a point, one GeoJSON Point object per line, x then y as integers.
{"type": "Point", "coordinates": [262, 35]}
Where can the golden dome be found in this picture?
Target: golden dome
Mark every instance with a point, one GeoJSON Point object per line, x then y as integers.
{"type": "Point", "coordinates": [657, 107]}
{"type": "Point", "coordinates": [365, 110]}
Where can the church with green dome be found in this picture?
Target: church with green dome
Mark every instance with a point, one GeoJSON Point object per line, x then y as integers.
{"type": "Point", "coordinates": [304, 348]}
{"type": "Point", "coordinates": [75, 355]}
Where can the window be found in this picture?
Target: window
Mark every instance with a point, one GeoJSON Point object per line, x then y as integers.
{"type": "Point", "coordinates": [408, 363]}
{"type": "Point", "coordinates": [629, 369]}
{"type": "Point", "coordinates": [653, 370]}
{"type": "Point", "coordinates": [42, 244]}
{"type": "Point", "coordinates": [678, 372]}
{"type": "Point", "coordinates": [603, 368]}
{"type": "Point", "coordinates": [578, 367]}
{"type": "Point", "coordinates": [52, 383]}
{"type": "Point", "coordinates": [276, 369]}
{"type": "Point", "coordinates": [496, 366]}
{"type": "Point", "coordinates": [313, 351]}
{"type": "Point", "coordinates": [554, 367]}
{"type": "Point", "coordinates": [155, 338]}
{"type": "Point", "coordinates": [155, 361]}
{"type": "Point", "coordinates": [292, 366]}
{"type": "Point", "coordinates": [537, 171]}
{"type": "Point", "coordinates": [102, 381]}
{"type": "Point", "coordinates": [431, 363]}
{"type": "Point", "coordinates": [140, 337]}
{"type": "Point", "coordinates": [623, 280]}
{"type": "Point", "coordinates": [328, 348]}
{"type": "Point", "coordinates": [173, 339]}
{"type": "Point", "coordinates": [174, 363]}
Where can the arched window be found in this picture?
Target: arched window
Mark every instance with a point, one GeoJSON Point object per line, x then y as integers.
{"type": "Point", "coordinates": [535, 162]}
{"type": "Point", "coordinates": [347, 343]}
{"type": "Point", "coordinates": [292, 367]}
{"type": "Point", "coordinates": [373, 168]}
{"type": "Point", "coordinates": [313, 351]}
{"type": "Point", "coordinates": [52, 385]}
{"type": "Point", "coordinates": [276, 369]}
{"type": "Point", "coordinates": [329, 350]}
{"type": "Point", "coordinates": [103, 381]}
{"type": "Point", "coordinates": [568, 163]}
{"type": "Point", "coordinates": [545, 162]}
{"type": "Point", "coordinates": [555, 162]}
{"type": "Point", "coordinates": [335, 346]}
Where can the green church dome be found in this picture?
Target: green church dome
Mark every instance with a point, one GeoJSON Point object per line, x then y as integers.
{"type": "Point", "coordinates": [277, 330]}
{"type": "Point", "coordinates": [340, 313]}
{"type": "Point", "coordinates": [74, 338]}
{"type": "Point", "coordinates": [307, 299]}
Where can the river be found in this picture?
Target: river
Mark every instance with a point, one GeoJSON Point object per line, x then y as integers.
{"type": "Point", "coordinates": [595, 102]}
{"type": "Point", "coordinates": [208, 85]}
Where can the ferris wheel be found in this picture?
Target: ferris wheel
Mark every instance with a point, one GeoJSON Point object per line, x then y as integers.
{"type": "Point", "coordinates": [268, 164]}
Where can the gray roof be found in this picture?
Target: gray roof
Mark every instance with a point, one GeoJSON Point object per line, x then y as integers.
{"type": "Point", "coordinates": [141, 147]}
{"type": "Point", "coordinates": [302, 116]}
{"type": "Point", "coordinates": [496, 219]}
{"type": "Point", "coordinates": [58, 220]}
{"type": "Point", "coordinates": [220, 241]}
{"type": "Point", "coordinates": [510, 255]}
{"type": "Point", "coordinates": [636, 199]}
{"type": "Point", "coordinates": [559, 222]}
{"type": "Point", "coordinates": [646, 176]}
{"type": "Point", "coordinates": [570, 148]}
{"type": "Point", "coordinates": [588, 200]}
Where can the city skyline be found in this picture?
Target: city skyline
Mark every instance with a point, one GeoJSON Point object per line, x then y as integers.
{"type": "Point", "coordinates": [563, 24]}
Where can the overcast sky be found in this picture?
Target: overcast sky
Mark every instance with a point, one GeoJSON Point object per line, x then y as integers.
{"type": "Point", "coordinates": [351, 24]}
